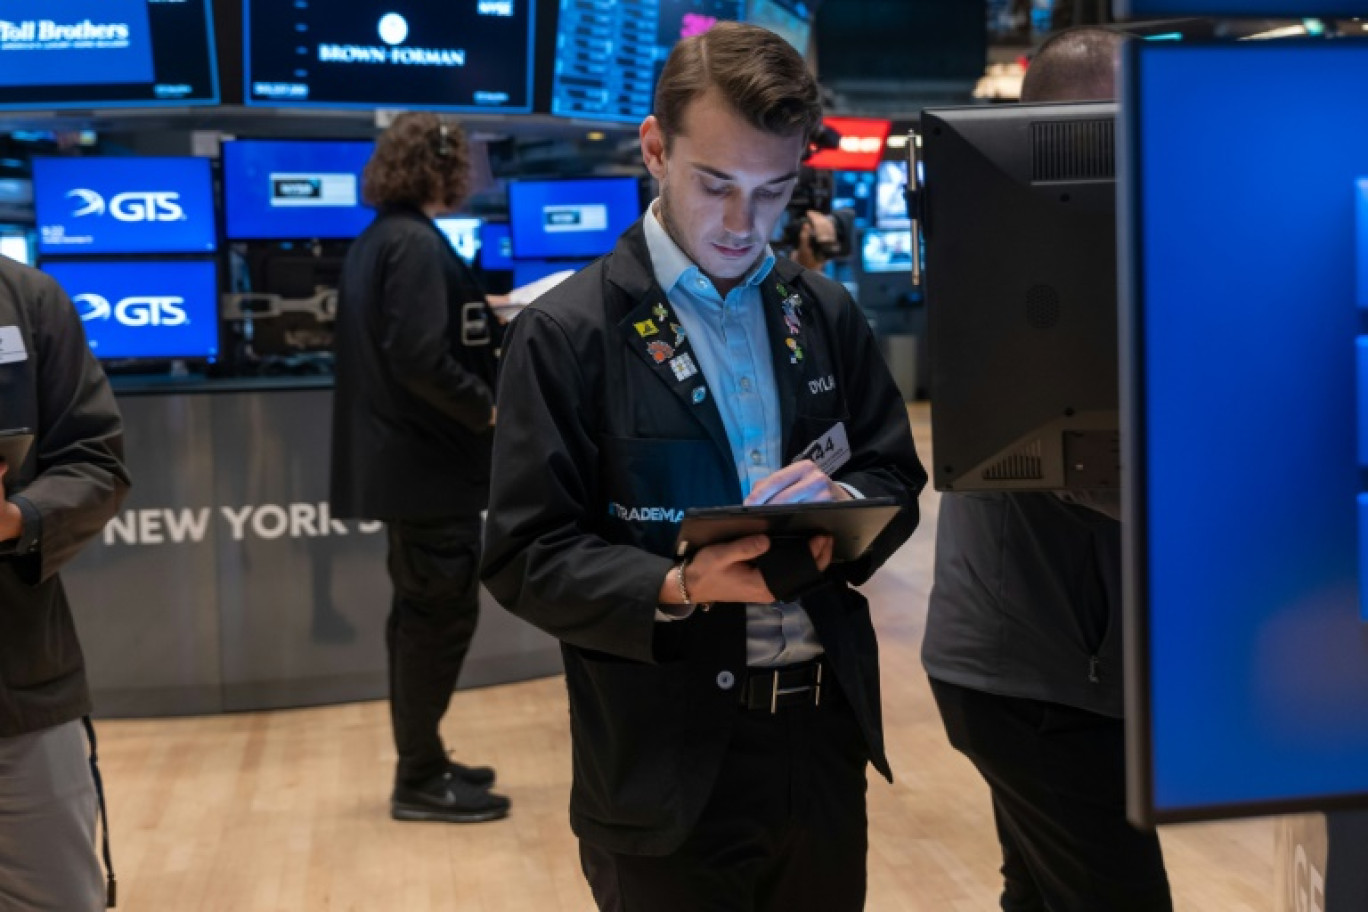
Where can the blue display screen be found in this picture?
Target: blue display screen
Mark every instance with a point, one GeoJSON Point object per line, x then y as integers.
{"type": "Point", "coordinates": [94, 53]}
{"type": "Point", "coordinates": [886, 251]}
{"type": "Point", "coordinates": [571, 218]}
{"type": "Point", "coordinates": [890, 205]}
{"type": "Point", "coordinates": [463, 233]}
{"type": "Point", "coordinates": [1244, 418]}
{"type": "Point", "coordinates": [496, 246]}
{"type": "Point", "coordinates": [144, 309]}
{"type": "Point", "coordinates": [474, 55]}
{"type": "Point", "coordinates": [282, 190]}
{"type": "Point", "coordinates": [525, 271]}
{"type": "Point", "coordinates": [124, 205]}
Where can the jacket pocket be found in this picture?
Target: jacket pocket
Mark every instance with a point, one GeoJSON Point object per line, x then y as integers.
{"type": "Point", "coordinates": [626, 721]}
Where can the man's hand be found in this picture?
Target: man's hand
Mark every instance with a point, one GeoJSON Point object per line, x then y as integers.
{"type": "Point", "coordinates": [11, 518]}
{"type": "Point", "coordinates": [801, 482]}
{"type": "Point", "coordinates": [816, 235]}
{"type": "Point", "coordinates": [724, 572]}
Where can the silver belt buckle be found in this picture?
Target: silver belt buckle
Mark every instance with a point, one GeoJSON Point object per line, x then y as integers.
{"type": "Point", "coordinates": [776, 690]}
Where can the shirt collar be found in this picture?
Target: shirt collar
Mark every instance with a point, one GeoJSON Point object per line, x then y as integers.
{"type": "Point", "coordinates": [671, 264]}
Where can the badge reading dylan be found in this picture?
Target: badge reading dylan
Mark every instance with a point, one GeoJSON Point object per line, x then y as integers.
{"type": "Point", "coordinates": [646, 328]}
{"type": "Point", "coordinates": [660, 351]}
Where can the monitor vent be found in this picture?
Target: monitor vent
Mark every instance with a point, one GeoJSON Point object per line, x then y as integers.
{"type": "Point", "coordinates": [1072, 150]}
{"type": "Point", "coordinates": [1025, 464]}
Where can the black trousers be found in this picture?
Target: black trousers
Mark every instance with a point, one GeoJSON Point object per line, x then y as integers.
{"type": "Point", "coordinates": [434, 566]}
{"type": "Point", "coordinates": [1057, 776]}
{"type": "Point", "coordinates": [784, 829]}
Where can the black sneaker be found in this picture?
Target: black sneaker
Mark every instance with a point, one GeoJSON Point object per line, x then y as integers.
{"type": "Point", "coordinates": [447, 799]}
{"type": "Point", "coordinates": [483, 776]}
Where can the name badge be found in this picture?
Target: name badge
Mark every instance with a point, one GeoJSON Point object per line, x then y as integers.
{"type": "Point", "coordinates": [830, 451]}
{"type": "Point", "coordinates": [12, 345]}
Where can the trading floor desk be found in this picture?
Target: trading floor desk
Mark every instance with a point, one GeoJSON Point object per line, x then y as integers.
{"type": "Point", "coordinates": [224, 584]}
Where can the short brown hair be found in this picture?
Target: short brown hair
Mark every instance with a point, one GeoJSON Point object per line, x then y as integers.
{"type": "Point", "coordinates": [759, 73]}
{"type": "Point", "coordinates": [422, 157]}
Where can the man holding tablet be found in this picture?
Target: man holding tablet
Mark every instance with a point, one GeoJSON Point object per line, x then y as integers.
{"type": "Point", "coordinates": [720, 734]}
{"type": "Point", "coordinates": [59, 493]}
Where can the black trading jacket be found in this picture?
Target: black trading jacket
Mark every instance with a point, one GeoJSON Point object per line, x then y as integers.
{"type": "Point", "coordinates": [599, 446]}
{"type": "Point", "coordinates": [415, 353]}
{"type": "Point", "coordinates": [69, 486]}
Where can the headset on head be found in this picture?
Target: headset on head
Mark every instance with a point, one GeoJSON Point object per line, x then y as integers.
{"type": "Point", "coordinates": [443, 139]}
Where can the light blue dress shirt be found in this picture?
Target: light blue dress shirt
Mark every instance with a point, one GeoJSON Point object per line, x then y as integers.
{"type": "Point", "coordinates": [730, 342]}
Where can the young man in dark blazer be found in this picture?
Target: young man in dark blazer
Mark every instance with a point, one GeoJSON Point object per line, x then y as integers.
{"type": "Point", "coordinates": [720, 735]}
{"type": "Point", "coordinates": [412, 430]}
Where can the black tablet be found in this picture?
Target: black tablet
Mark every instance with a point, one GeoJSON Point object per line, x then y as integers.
{"type": "Point", "coordinates": [14, 446]}
{"type": "Point", "coordinates": [853, 524]}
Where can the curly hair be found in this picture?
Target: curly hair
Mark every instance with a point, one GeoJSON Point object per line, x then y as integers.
{"type": "Point", "coordinates": [422, 157]}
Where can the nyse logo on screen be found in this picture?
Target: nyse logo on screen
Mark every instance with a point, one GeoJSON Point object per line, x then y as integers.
{"type": "Point", "coordinates": [133, 311]}
{"type": "Point", "coordinates": [135, 206]}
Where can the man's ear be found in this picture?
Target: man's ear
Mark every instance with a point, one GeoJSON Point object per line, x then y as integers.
{"type": "Point", "coordinates": [653, 147]}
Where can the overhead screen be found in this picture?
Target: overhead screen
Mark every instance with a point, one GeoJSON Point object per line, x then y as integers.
{"type": "Point", "coordinates": [1242, 421]}
{"type": "Point", "coordinates": [144, 309]}
{"type": "Point", "coordinates": [123, 205]}
{"type": "Point", "coordinates": [287, 189]}
{"type": "Point", "coordinates": [571, 219]}
{"type": "Point", "coordinates": [472, 55]}
{"type": "Point", "coordinates": [609, 55]}
{"type": "Point", "coordinates": [106, 53]}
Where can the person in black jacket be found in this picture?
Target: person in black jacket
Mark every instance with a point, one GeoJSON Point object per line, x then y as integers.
{"type": "Point", "coordinates": [720, 736]}
{"type": "Point", "coordinates": [1023, 646]}
{"type": "Point", "coordinates": [412, 431]}
{"type": "Point", "coordinates": [68, 486]}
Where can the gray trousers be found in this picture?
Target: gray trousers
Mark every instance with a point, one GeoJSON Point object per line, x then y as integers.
{"type": "Point", "coordinates": [47, 823]}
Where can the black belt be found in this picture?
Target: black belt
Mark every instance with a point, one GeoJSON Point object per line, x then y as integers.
{"type": "Point", "coordinates": [772, 689]}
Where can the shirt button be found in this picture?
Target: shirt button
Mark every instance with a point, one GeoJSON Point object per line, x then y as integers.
{"type": "Point", "coordinates": [756, 457]}
{"type": "Point", "coordinates": [726, 680]}
{"type": "Point", "coordinates": [745, 384]}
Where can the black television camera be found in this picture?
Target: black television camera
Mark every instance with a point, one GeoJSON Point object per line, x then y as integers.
{"type": "Point", "coordinates": [814, 193]}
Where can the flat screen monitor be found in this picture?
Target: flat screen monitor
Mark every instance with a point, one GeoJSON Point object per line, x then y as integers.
{"type": "Point", "coordinates": [890, 203]}
{"type": "Point", "coordinates": [571, 219]}
{"type": "Point", "coordinates": [886, 250]}
{"type": "Point", "coordinates": [525, 271]}
{"type": "Point", "coordinates": [463, 233]}
{"type": "Point", "coordinates": [1019, 214]}
{"type": "Point", "coordinates": [605, 60]}
{"type": "Point", "coordinates": [854, 190]}
{"type": "Point", "coordinates": [791, 19]}
{"type": "Point", "coordinates": [106, 53]}
{"type": "Point", "coordinates": [148, 310]}
{"type": "Point", "coordinates": [293, 189]}
{"type": "Point", "coordinates": [473, 55]}
{"type": "Point", "coordinates": [1243, 387]}
{"type": "Point", "coordinates": [496, 247]}
{"type": "Point", "coordinates": [124, 205]}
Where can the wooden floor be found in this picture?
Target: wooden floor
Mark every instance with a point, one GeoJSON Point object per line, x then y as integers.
{"type": "Point", "coordinates": [288, 810]}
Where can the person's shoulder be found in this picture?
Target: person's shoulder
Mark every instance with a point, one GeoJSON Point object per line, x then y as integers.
{"type": "Point", "coordinates": [24, 285]}
{"type": "Point", "coordinates": [576, 302]}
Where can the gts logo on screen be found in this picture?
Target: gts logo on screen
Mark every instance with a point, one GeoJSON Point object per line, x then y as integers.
{"type": "Point", "coordinates": [136, 206]}
{"type": "Point", "coordinates": [135, 311]}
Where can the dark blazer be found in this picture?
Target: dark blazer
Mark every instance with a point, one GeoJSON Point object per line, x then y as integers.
{"type": "Point", "coordinates": [594, 432]}
{"type": "Point", "coordinates": [70, 484]}
{"type": "Point", "coordinates": [415, 349]}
